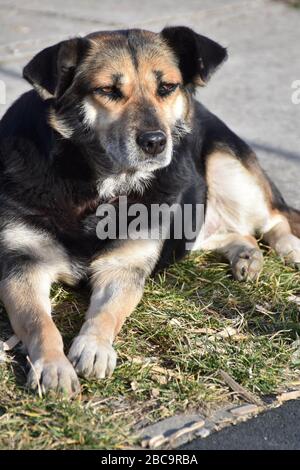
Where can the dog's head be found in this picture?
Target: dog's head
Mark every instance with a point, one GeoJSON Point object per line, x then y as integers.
{"type": "Point", "coordinates": [130, 91]}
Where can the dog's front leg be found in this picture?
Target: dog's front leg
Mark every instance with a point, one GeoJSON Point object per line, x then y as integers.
{"type": "Point", "coordinates": [118, 279]}
{"type": "Point", "coordinates": [25, 294]}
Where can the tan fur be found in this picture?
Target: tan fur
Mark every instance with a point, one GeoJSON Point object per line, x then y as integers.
{"type": "Point", "coordinates": [237, 200]}
{"type": "Point", "coordinates": [59, 125]}
{"type": "Point", "coordinates": [293, 217]}
{"type": "Point", "coordinates": [27, 303]}
{"type": "Point", "coordinates": [243, 255]}
{"type": "Point", "coordinates": [284, 242]}
{"type": "Point", "coordinates": [137, 83]}
{"type": "Point", "coordinates": [105, 320]}
{"type": "Point", "coordinates": [132, 254]}
{"type": "Point", "coordinates": [239, 207]}
{"type": "Point", "coordinates": [120, 267]}
{"type": "Point", "coordinates": [26, 300]}
{"type": "Point", "coordinates": [118, 280]}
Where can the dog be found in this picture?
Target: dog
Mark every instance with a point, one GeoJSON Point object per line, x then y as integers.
{"type": "Point", "coordinates": [113, 114]}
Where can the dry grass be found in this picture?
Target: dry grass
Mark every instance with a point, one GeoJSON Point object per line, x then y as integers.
{"type": "Point", "coordinates": [194, 320]}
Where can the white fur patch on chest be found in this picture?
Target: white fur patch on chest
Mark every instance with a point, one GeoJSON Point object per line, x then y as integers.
{"type": "Point", "coordinates": [124, 183]}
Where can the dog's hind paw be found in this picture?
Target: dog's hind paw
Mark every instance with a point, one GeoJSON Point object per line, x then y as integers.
{"type": "Point", "coordinates": [288, 248]}
{"type": "Point", "coordinates": [92, 357]}
{"type": "Point", "coordinates": [247, 264]}
{"type": "Point", "coordinates": [53, 376]}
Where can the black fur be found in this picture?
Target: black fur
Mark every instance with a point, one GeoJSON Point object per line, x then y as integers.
{"type": "Point", "coordinates": [53, 68]}
{"type": "Point", "coordinates": [198, 55]}
{"type": "Point", "coordinates": [50, 182]}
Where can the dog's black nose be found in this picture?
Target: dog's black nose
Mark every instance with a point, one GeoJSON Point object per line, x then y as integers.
{"type": "Point", "coordinates": [152, 142]}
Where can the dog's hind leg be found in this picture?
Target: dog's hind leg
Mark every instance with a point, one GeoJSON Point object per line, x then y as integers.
{"type": "Point", "coordinates": [242, 252]}
{"type": "Point", "coordinates": [244, 256]}
{"type": "Point", "coordinates": [282, 238]}
{"type": "Point", "coordinates": [237, 209]}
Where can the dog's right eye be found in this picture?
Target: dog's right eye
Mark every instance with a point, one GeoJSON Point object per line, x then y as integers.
{"type": "Point", "coordinates": [105, 89]}
{"type": "Point", "coordinates": [111, 92]}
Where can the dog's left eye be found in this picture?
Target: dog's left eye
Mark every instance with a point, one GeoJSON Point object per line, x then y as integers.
{"type": "Point", "coordinates": [166, 88]}
{"type": "Point", "coordinates": [110, 91]}
{"type": "Point", "coordinates": [106, 89]}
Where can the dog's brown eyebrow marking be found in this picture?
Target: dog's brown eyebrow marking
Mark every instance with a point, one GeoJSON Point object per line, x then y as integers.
{"type": "Point", "coordinates": [159, 75]}
{"type": "Point", "coordinates": [117, 78]}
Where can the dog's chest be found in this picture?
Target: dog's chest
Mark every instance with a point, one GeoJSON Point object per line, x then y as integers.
{"type": "Point", "coordinates": [122, 184]}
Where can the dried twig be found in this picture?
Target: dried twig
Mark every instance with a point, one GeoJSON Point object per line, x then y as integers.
{"type": "Point", "coordinates": [10, 343]}
{"type": "Point", "coordinates": [36, 376]}
{"type": "Point", "coordinates": [248, 396]}
{"type": "Point", "coordinates": [286, 396]}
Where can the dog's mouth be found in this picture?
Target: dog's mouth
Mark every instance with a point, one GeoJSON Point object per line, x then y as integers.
{"type": "Point", "coordinates": [131, 167]}
{"type": "Point", "coordinates": [155, 162]}
{"type": "Point", "coordinates": [148, 165]}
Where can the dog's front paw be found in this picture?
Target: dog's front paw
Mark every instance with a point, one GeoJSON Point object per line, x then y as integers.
{"type": "Point", "coordinates": [56, 375]}
{"type": "Point", "coordinates": [247, 264]}
{"type": "Point", "coordinates": [92, 357]}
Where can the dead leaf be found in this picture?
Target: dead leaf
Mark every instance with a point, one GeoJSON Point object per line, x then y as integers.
{"type": "Point", "coordinates": [155, 392]}
{"type": "Point", "coordinates": [134, 385]}
{"type": "Point", "coordinates": [295, 299]}
{"type": "Point", "coordinates": [227, 332]}
{"type": "Point", "coordinates": [204, 331]}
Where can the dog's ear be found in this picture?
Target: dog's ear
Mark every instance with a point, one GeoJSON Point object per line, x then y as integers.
{"type": "Point", "coordinates": [52, 70]}
{"type": "Point", "coordinates": [198, 55]}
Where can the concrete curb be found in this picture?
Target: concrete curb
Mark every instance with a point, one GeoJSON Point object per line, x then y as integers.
{"type": "Point", "coordinates": [178, 430]}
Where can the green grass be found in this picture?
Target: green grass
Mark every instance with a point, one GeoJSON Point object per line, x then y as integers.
{"type": "Point", "coordinates": [167, 363]}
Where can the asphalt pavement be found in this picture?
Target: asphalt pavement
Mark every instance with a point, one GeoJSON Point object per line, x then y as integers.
{"type": "Point", "coordinates": [276, 429]}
